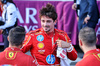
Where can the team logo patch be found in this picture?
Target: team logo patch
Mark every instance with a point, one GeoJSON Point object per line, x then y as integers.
{"type": "Point", "coordinates": [40, 45]}
{"type": "Point", "coordinates": [41, 51]}
{"type": "Point", "coordinates": [98, 55]}
{"type": "Point", "coordinates": [11, 54]}
{"type": "Point", "coordinates": [40, 38]}
{"type": "Point", "coordinates": [50, 59]}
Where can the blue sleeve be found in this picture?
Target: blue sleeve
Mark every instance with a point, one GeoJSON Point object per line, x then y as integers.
{"type": "Point", "coordinates": [92, 5]}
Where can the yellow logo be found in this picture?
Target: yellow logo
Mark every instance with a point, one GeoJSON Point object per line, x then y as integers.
{"type": "Point", "coordinates": [99, 55]}
{"type": "Point", "coordinates": [40, 45]}
{"type": "Point", "coordinates": [11, 54]}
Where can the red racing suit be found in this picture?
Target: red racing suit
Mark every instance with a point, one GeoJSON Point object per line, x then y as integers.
{"type": "Point", "coordinates": [42, 46]}
{"type": "Point", "coordinates": [13, 56]}
{"type": "Point", "coordinates": [90, 58]}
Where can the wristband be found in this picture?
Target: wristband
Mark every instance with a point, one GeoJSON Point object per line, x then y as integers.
{"type": "Point", "coordinates": [70, 48]}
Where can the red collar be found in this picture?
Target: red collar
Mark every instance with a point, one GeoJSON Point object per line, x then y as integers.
{"type": "Point", "coordinates": [94, 51]}
{"type": "Point", "coordinates": [51, 34]}
{"type": "Point", "coordinates": [12, 49]}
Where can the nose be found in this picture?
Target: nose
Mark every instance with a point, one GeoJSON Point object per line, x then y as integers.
{"type": "Point", "coordinates": [45, 23]}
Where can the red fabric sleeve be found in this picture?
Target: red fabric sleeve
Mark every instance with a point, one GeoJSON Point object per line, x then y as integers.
{"type": "Point", "coordinates": [27, 44]}
{"type": "Point", "coordinates": [32, 62]}
{"type": "Point", "coordinates": [73, 54]}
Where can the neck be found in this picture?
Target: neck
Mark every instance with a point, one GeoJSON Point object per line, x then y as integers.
{"type": "Point", "coordinates": [15, 46]}
{"type": "Point", "coordinates": [86, 49]}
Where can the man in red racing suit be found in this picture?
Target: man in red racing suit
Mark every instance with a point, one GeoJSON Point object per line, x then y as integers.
{"type": "Point", "coordinates": [43, 42]}
{"type": "Point", "coordinates": [42, 45]}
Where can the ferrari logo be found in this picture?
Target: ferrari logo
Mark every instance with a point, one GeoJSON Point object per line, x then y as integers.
{"type": "Point", "coordinates": [11, 54]}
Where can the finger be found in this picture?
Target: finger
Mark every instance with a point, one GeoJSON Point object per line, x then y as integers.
{"type": "Point", "coordinates": [84, 22]}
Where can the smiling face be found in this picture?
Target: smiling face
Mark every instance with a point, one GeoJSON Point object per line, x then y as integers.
{"type": "Point", "coordinates": [47, 24]}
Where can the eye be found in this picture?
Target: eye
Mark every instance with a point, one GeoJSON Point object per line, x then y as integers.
{"type": "Point", "coordinates": [42, 21]}
{"type": "Point", "coordinates": [49, 21]}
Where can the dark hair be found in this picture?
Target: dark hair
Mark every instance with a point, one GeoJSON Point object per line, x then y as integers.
{"type": "Point", "coordinates": [11, 1]}
{"type": "Point", "coordinates": [49, 11]}
{"type": "Point", "coordinates": [16, 35]}
{"type": "Point", "coordinates": [88, 36]}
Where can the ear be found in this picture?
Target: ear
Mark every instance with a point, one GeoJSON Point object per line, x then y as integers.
{"type": "Point", "coordinates": [80, 42]}
{"type": "Point", "coordinates": [55, 22]}
{"type": "Point", "coordinates": [96, 40]}
{"type": "Point", "coordinates": [8, 38]}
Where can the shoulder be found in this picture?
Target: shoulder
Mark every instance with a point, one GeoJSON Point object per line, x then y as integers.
{"type": "Point", "coordinates": [25, 56]}
{"type": "Point", "coordinates": [34, 31]}
{"type": "Point", "coordinates": [80, 63]}
{"type": "Point", "coordinates": [1, 53]}
{"type": "Point", "coordinates": [11, 6]}
{"type": "Point", "coordinates": [60, 31]}
{"type": "Point", "coordinates": [85, 61]}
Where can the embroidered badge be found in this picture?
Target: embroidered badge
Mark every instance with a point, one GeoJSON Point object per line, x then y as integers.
{"type": "Point", "coordinates": [50, 59]}
{"type": "Point", "coordinates": [40, 45]}
{"type": "Point", "coordinates": [41, 51]}
{"type": "Point", "coordinates": [11, 54]}
{"type": "Point", "coordinates": [40, 38]}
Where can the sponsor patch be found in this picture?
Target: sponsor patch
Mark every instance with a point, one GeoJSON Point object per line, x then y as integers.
{"type": "Point", "coordinates": [40, 38]}
{"type": "Point", "coordinates": [40, 45]}
{"type": "Point", "coordinates": [50, 59]}
{"type": "Point", "coordinates": [41, 51]}
{"type": "Point", "coordinates": [11, 55]}
{"type": "Point", "coordinates": [98, 55]}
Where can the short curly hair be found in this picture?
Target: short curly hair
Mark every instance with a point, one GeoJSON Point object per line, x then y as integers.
{"type": "Point", "coordinates": [48, 11]}
{"type": "Point", "coordinates": [88, 36]}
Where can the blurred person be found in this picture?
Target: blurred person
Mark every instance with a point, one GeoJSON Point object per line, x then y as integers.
{"type": "Point", "coordinates": [87, 42]}
{"type": "Point", "coordinates": [13, 56]}
{"type": "Point", "coordinates": [76, 6]}
{"type": "Point", "coordinates": [9, 17]}
{"type": "Point", "coordinates": [1, 23]}
{"type": "Point", "coordinates": [43, 42]}
{"type": "Point", "coordinates": [88, 15]}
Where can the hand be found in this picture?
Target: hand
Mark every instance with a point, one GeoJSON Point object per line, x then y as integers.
{"type": "Point", "coordinates": [1, 31]}
{"type": "Point", "coordinates": [74, 6]}
{"type": "Point", "coordinates": [62, 44]}
{"type": "Point", "coordinates": [86, 19]}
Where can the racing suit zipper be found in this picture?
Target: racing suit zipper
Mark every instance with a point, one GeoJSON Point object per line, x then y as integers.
{"type": "Point", "coordinates": [52, 41]}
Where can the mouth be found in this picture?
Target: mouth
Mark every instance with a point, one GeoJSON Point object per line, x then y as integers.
{"type": "Point", "coordinates": [46, 27]}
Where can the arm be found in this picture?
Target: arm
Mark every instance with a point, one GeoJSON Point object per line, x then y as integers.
{"type": "Point", "coordinates": [11, 17]}
{"type": "Point", "coordinates": [32, 62]}
{"type": "Point", "coordinates": [27, 44]}
{"type": "Point", "coordinates": [71, 52]}
{"type": "Point", "coordinates": [92, 4]}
